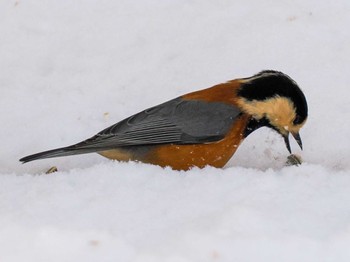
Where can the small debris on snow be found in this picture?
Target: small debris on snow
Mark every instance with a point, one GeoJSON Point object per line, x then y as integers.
{"type": "Point", "coordinates": [293, 160]}
{"type": "Point", "coordinates": [51, 170]}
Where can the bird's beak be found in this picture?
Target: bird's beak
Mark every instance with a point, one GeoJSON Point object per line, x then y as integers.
{"type": "Point", "coordinates": [286, 140]}
{"type": "Point", "coordinates": [296, 137]}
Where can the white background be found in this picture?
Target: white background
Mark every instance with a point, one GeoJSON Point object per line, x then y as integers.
{"type": "Point", "coordinates": [69, 69]}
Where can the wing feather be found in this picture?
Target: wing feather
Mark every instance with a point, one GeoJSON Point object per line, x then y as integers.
{"type": "Point", "coordinates": [177, 121]}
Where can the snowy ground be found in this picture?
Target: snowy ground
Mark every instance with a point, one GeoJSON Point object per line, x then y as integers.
{"type": "Point", "coordinates": [68, 69]}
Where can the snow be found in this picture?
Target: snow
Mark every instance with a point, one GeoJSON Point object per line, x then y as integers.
{"type": "Point", "coordinates": [71, 68]}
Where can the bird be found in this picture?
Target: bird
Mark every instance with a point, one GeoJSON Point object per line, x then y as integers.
{"type": "Point", "coordinates": [201, 128]}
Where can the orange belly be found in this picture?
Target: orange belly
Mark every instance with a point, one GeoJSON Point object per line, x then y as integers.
{"type": "Point", "coordinates": [217, 154]}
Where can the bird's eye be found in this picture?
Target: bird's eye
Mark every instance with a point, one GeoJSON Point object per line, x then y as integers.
{"type": "Point", "coordinates": [297, 120]}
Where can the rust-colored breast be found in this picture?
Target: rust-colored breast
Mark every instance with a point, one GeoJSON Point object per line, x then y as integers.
{"type": "Point", "coordinates": [183, 157]}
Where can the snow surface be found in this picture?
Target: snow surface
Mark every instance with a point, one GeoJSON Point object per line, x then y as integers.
{"type": "Point", "coordinates": [68, 69]}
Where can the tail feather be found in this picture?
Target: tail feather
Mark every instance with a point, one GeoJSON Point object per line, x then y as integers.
{"type": "Point", "coordinates": [64, 151]}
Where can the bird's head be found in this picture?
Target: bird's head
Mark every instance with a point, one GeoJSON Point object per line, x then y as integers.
{"type": "Point", "coordinates": [273, 99]}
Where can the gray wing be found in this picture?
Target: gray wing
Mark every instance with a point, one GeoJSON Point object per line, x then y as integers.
{"type": "Point", "coordinates": [177, 121]}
